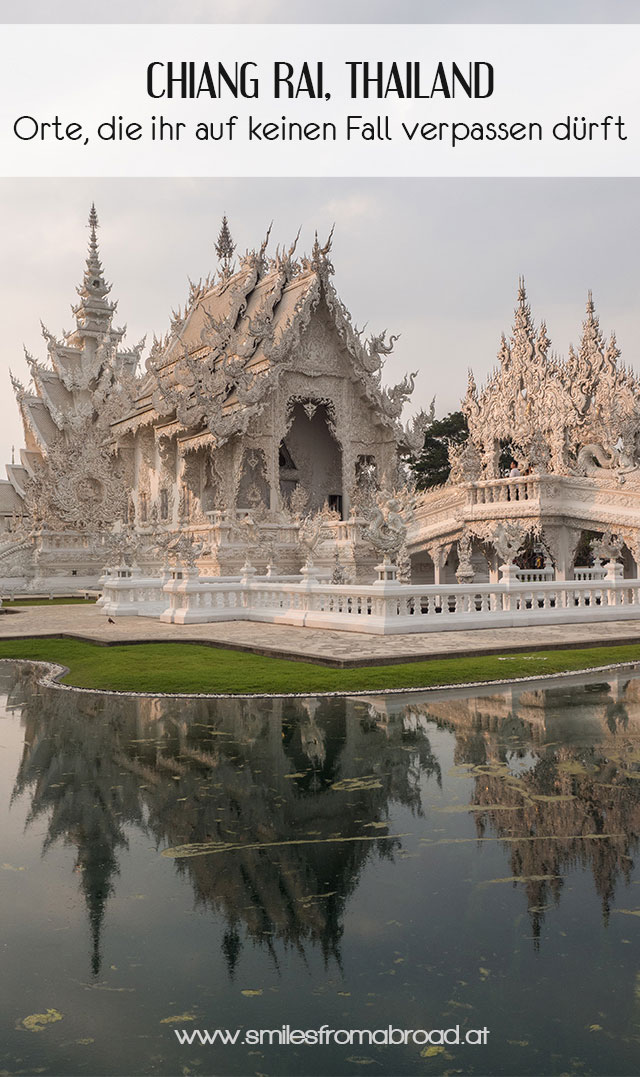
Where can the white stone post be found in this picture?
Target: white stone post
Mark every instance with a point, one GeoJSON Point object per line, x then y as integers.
{"type": "Point", "coordinates": [615, 579]}
{"type": "Point", "coordinates": [307, 572]}
{"type": "Point", "coordinates": [387, 573]}
{"type": "Point", "coordinates": [509, 577]}
{"type": "Point", "coordinates": [247, 572]}
{"type": "Point", "coordinates": [615, 571]}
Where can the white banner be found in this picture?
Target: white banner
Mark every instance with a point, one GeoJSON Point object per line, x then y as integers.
{"type": "Point", "coordinates": [301, 100]}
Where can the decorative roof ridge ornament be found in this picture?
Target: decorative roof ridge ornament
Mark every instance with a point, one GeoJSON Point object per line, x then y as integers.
{"type": "Point", "coordinates": [51, 340]}
{"type": "Point", "coordinates": [261, 259]}
{"type": "Point", "coordinates": [413, 432]}
{"type": "Point", "coordinates": [612, 355]}
{"type": "Point", "coordinates": [284, 264]}
{"type": "Point", "coordinates": [224, 248]}
{"type": "Point", "coordinates": [523, 334]}
{"type": "Point", "coordinates": [543, 342]}
{"type": "Point", "coordinates": [377, 349]}
{"type": "Point", "coordinates": [592, 346]}
{"type": "Point", "coordinates": [18, 387]}
{"type": "Point", "coordinates": [31, 361]}
{"type": "Point", "coordinates": [320, 262]}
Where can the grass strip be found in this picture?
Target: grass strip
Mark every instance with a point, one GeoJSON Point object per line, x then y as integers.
{"type": "Point", "coordinates": [179, 667]}
{"type": "Point", "coordinates": [72, 600]}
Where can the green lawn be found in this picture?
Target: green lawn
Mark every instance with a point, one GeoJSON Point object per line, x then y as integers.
{"type": "Point", "coordinates": [180, 667]}
{"type": "Point", "coordinates": [72, 601]}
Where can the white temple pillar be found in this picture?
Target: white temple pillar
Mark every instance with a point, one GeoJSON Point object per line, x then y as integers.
{"type": "Point", "coordinates": [564, 541]}
{"type": "Point", "coordinates": [346, 504]}
{"type": "Point", "coordinates": [438, 568]}
{"type": "Point", "coordinates": [438, 555]}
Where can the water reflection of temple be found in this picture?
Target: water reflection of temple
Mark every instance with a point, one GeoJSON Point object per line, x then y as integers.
{"type": "Point", "coordinates": [557, 772]}
{"type": "Point", "coordinates": [289, 799]}
{"type": "Point", "coordinates": [303, 786]}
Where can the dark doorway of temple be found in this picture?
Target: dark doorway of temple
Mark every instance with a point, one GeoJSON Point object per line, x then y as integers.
{"type": "Point", "coordinates": [310, 456]}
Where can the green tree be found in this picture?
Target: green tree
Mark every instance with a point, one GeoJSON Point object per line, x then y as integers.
{"type": "Point", "coordinates": [431, 467]}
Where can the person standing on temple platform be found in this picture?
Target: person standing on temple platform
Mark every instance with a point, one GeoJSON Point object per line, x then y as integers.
{"type": "Point", "coordinates": [515, 470]}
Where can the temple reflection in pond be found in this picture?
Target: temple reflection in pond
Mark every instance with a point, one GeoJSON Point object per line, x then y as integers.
{"type": "Point", "coordinates": [272, 808]}
{"type": "Point", "coordinates": [305, 785]}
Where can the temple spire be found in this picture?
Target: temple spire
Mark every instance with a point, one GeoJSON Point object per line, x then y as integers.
{"type": "Point", "coordinates": [94, 312]}
{"type": "Point", "coordinates": [225, 247]}
{"type": "Point", "coordinates": [94, 265]}
{"type": "Point", "coordinates": [592, 341]}
{"type": "Point", "coordinates": [523, 336]}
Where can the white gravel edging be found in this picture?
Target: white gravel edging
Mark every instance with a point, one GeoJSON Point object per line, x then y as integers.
{"type": "Point", "coordinates": [52, 672]}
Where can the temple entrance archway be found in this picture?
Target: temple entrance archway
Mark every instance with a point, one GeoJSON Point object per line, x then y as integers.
{"type": "Point", "coordinates": [310, 456]}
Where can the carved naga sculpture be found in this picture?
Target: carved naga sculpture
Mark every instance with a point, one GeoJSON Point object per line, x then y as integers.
{"type": "Point", "coordinates": [313, 530]}
{"type": "Point", "coordinates": [387, 528]}
{"type": "Point", "coordinates": [184, 550]}
{"type": "Point", "coordinates": [507, 540]}
{"type": "Point", "coordinates": [607, 548]}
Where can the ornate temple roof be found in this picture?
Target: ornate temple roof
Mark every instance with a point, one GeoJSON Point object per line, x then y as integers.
{"type": "Point", "coordinates": [225, 353]}
{"type": "Point", "coordinates": [213, 372]}
{"type": "Point", "coordinates": [10, 500]}
{"type": "Point", "coordinates": [578, 415]}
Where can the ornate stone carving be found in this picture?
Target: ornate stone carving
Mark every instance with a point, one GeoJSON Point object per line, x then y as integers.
{"type": "Point", "coordinates": [184, 550]}
{"type": "Point", "coordinates": [607, 548]}
{"type": "Point", "coordinates": [78, 485]}
{"type": "Point", "coordinates": [506, 538]}
{"type": "Point", "coordinates": [465, 572]}
{"type": "Point", "coordinates": [387, 525]}
{"type": "Point", "coordinates": [314, 529]}
{"type": "Point", "coordinates": [578, 416]}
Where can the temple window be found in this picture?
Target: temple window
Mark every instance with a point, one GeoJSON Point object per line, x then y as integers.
{"type": "Point", "coordinates": [335, 504]}
{"type": "Point", "coordinates": [164, 505]}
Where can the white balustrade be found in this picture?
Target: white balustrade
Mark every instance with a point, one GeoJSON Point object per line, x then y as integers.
{"type": "Point", "coordinates": [536, 575]}
{"type": "Point", "coordinates": [582, 572]}
{"type": "Point", "coordinates": [492, 491]}
{"type": "Point", "coordinates": [382, 607]}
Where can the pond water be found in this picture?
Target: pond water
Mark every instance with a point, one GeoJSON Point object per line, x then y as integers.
{"type": "Point", "coordinates": [418, 861]}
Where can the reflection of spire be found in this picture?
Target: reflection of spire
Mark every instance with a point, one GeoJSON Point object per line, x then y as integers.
{"type": "Point", "coordinates": [97, 863]}
{"type": "Point", "coordinates": [76, 783]}
{"type": "Point", "coordinates": [231, 949]}
{"type": "Point", "coordinates": [296, 779]}
{"type": "Point", "coordinates": [573, 804]}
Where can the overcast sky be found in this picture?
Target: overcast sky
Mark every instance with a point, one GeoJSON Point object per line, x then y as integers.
{"type": "Point", "coordinates": [434, 260]}
{"type": "Point", "coordinates": [314, 11]}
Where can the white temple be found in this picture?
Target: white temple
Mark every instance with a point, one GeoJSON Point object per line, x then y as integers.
{"type": "Point", "coordinates": [260, 407]}
{"type": "Point", "coordinates": [260, 439]}
{"type": "Point", "coordinates": [573, 427]}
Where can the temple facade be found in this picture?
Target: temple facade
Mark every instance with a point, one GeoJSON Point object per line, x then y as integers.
{"type": "Point", "coordinates": [259, 432]}
{"type": "Point", "coordinates": [260, 408]}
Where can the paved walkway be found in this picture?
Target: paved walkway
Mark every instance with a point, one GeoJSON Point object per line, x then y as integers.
{"type": "Point", "coordinates": [331, 648]}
